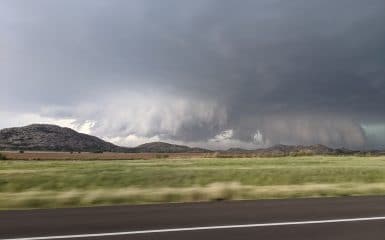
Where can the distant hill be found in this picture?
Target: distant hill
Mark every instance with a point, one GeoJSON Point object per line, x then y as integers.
{"type": "Point", "coordinates": [299, 150]}
{"type": "Point", "coordinates": [161, 147]}
{"type": "Point", "coordinates": [280, 149]}
{"type": "Point", "coordinates": [291, 149]}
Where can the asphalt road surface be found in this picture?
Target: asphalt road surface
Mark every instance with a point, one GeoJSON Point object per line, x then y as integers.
{"type": "Point", "coordinates": [348, 218]}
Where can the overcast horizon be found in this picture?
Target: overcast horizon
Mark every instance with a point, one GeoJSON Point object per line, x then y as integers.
{"type": "Point", "coordinates": [207, 73]}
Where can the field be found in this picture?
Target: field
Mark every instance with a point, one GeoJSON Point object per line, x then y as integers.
{"type": "Point", "coordinates": [58, 183]}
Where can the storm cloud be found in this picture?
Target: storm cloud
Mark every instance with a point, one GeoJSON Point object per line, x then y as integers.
{"type": "Point", "coordinates": [217, 73]}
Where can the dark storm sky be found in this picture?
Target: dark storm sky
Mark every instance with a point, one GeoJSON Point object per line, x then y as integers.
{"type": "Point", "coordinates": [206, 73]}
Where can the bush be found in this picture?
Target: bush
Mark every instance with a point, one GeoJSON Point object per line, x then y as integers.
{"type": "Point", "coordinates": [2, 157]}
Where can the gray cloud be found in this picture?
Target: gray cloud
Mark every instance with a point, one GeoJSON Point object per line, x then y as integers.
{"type": "Point", "coordinates": [300, 72]}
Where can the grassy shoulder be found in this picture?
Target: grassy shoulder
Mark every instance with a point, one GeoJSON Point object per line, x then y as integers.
{"type": "Point", "coordinates": [41, 184]}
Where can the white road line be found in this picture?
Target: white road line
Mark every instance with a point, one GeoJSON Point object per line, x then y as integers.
{"type": "Point", "coordinates": [200, 228]}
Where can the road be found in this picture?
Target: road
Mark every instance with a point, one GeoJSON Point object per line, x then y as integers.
{"type": "Point", "coordinates": [329, 218]}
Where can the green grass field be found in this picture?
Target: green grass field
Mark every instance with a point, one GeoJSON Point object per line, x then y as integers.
{"type": "Point", "coordinates": [45, 184]}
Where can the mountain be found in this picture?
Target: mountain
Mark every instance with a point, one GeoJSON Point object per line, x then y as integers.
{"type": "Point", "coordinates": [44, 137]}
{"type": "Point", "coordinates": [161, 147]}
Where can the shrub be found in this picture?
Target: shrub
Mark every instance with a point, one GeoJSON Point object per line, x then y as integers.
{"type": "Point", "coordinates": [2, 157]}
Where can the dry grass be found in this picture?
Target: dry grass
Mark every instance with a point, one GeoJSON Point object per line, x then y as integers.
{"type": "Point", "coordinates": [44, 184]}
{"type": "Point", "coordinates": [211, 192]}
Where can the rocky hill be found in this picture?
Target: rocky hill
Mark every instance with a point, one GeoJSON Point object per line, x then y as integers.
{"type": "Point", "coordinates": [44, 137]}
